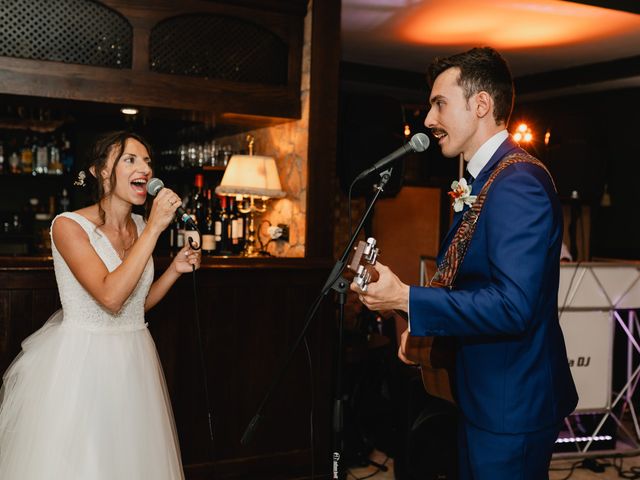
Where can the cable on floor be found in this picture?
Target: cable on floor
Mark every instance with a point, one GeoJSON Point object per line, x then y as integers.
{"type": "Point", "coordinates": [349, 473]}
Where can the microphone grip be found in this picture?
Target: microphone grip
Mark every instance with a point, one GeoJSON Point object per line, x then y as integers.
{"type": "Point", "coordinates": [185, 217]}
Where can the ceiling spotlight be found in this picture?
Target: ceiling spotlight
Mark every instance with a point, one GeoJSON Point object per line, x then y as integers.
{"type": "Point", "coordinates": [129, 110]}
{"type": "Point", "coordinates": [523, 127]}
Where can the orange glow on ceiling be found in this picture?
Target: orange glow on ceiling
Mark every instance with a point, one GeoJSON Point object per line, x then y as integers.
{"type": "Point", "coordinates": [505, 24]}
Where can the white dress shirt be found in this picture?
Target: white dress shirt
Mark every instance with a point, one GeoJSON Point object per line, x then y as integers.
{"type": "Point", "coordinates": [485, 152]}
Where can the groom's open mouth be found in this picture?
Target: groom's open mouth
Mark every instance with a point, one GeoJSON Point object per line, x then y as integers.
{"type": "Point", "coordinates": [438, 134]}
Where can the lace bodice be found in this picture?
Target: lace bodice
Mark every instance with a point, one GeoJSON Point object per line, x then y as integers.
{"type": "Point", "coordinates": [80, 308]}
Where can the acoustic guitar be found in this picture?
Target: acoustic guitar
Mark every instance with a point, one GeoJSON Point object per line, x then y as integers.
{"type": "Point", "coordinates": [434, 355]}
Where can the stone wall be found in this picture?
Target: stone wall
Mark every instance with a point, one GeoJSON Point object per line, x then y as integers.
{"type": "Point", "coordinates": [288, 144]}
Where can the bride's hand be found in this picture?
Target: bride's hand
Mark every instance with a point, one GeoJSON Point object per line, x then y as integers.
{"type": "Point", "coordinates": [186, 259]}
{"type": "Point", "coordinates": [163, 210]}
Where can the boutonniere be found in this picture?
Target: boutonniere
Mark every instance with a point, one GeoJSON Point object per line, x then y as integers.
{"type": "Point", "coordinates": [461, 194]}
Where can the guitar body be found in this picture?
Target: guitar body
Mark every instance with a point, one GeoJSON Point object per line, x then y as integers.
{"type": "Point", "coordinates": [436, 357]}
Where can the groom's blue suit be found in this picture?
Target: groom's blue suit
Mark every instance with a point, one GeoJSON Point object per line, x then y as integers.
{"type": "Point", "coordinates": [512, 374]}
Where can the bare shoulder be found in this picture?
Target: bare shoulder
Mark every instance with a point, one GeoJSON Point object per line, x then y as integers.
{"type": "Point", "coordinates": [66, 228]}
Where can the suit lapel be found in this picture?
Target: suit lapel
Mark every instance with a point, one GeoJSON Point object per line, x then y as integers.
{"type": "Point", "coordinates": [507, 147]}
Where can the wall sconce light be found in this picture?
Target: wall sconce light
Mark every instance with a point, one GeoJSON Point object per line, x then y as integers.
{"type": "Point", "coordinates": [129, 111]}
{"type": "Point", "coordinates": [255, 178]}
{"type": "Point", "coordinates": [605, 200]}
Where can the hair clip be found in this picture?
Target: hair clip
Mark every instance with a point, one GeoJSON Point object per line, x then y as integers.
{"type": "Point", "coordinates": [80, 180]}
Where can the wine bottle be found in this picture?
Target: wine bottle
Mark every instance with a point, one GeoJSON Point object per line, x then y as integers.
{"type": "Point", "coordinates": [225, 229]}
{"type": "Point", "coordinates": [217, 223]}
{"type": "Point", "coordinates": [233, 226]}
{"type": "Point", "coordinates": [208, 229]}
{"type": "Point", "coordinates": [241, 221]}
{"type": "Point", "coordinates": [197, 198]}
{"type": "Point", "coordinates": [174, 231]}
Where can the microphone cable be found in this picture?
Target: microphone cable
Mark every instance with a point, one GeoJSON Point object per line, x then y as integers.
{"type": "Point", "coordinates": [203, 365]}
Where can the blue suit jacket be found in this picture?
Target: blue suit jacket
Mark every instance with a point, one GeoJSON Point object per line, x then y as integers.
{"type": "Point", "coordinates": [512, 373]}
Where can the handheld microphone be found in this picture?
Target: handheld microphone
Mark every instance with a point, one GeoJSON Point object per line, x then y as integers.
{"type": "Point", "coordinates": [418, 143]}
{"type": "Point", "coordinates": [154, 186]}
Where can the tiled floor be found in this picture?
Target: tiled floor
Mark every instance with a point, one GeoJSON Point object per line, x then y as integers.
{"type": "Point", "coordinates": [560, 469]}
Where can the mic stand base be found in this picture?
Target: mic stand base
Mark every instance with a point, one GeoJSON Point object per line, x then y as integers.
{"type": "Point", "coordinates": [341, 287]}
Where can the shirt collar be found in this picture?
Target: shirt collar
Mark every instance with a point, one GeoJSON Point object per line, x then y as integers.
{"type": "Point", "coordinates": [485, 152]}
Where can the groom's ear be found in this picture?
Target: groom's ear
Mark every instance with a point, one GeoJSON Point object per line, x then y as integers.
{"type": "Point", "coordinates": [484, 104]}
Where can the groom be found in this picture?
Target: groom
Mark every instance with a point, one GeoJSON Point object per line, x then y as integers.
{"type": "Point", "coordinates": [512, 379]}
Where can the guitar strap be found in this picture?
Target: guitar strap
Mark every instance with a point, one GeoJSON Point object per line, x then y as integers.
{"type": "Point", "coordinates": [437, 355]}
{"type": "Point", "coordinates": [448, 268]}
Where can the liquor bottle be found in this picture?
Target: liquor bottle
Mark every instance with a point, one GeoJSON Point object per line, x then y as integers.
{"type": "Point", "coordinates": [41, 156]}
{"type": "Point", "coordinates": [2, 167]}
{"type": "Point", "coordinates": [191, 232]}
{"type": "Point", "coordinates": [64, 201]}
{"type": "Point", "coordinates": [66, 154]}
{"type": "Point", "coordinates": [26, 157]}
{"type": "Point", "coordinates": [55, 163]}
{"type": "Point", "coordinates": [14, 163]}
{"type": "Point", "coordinates": [208, 229]}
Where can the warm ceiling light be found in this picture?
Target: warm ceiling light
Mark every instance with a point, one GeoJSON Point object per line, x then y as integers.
{"type": "Point", "coordinates": [522, 127]}
{"type": "Point", "coordinates": [517, 136]}
{"type": "Point", "coordinates": [528, 137]}
{"type": "Point", "coordinates": [505, 24]}
{"type": "Point", "coordinates": [129, 110]}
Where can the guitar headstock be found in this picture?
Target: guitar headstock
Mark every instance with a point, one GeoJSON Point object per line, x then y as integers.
{"type": "Point", "coordinates": [364, 258]}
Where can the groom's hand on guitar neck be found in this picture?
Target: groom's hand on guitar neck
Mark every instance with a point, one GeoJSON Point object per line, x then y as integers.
{"type": "Point", "coordinates": [387, 293]}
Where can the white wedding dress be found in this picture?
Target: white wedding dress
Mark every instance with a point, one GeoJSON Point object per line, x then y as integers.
{"type": "Point", "coordinates": [86, 398]}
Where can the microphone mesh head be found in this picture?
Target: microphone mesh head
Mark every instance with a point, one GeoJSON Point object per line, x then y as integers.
{"type": "Point", "coordinates": [419, 142]}
{"type": "Point", "coordinates": [154, 186]}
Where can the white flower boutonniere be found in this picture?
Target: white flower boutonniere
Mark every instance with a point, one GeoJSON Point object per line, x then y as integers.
{"type": "Point", "coordinates": [461, 194]}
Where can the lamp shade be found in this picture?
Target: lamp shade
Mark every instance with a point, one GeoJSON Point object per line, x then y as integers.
{"type": "Point", "coordinates": [255, 175]}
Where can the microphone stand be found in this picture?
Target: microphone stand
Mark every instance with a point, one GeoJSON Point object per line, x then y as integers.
{"type": "Point", "coordinates": [340, 285]}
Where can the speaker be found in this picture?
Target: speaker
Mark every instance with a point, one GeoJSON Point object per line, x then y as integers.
{"type": "Point", "coordinates": [432, 452]}
{"type": "Point", "coordinates": [369, 128]}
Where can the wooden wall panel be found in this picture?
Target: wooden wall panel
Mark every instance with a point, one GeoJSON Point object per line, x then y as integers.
{"type": "Point", "coordinates": [250, 314]}
{"type": "Point", "coordinates": [407, 227]}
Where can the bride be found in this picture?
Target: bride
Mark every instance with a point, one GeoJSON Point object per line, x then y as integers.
{"type": "Point", "coordinates": [86, 397]}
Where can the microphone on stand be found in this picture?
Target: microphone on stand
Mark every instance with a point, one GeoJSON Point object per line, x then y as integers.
{"type": "Point", "coordinates": [154, 186]}
{"type": "Point", "coordinates": [418, 143]}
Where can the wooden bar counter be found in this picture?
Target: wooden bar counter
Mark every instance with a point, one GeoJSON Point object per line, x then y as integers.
{"type": "Point", "coordinates": [251, 311]}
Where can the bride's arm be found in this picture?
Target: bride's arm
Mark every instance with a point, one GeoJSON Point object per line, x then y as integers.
{"type": "Point", "coordinates": [111, 289]}
{"type": "Point", "coordinates": [183, 262]}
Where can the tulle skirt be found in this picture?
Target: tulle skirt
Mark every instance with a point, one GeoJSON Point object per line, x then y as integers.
{"type": "Point", "coordinates": [84, 405]}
